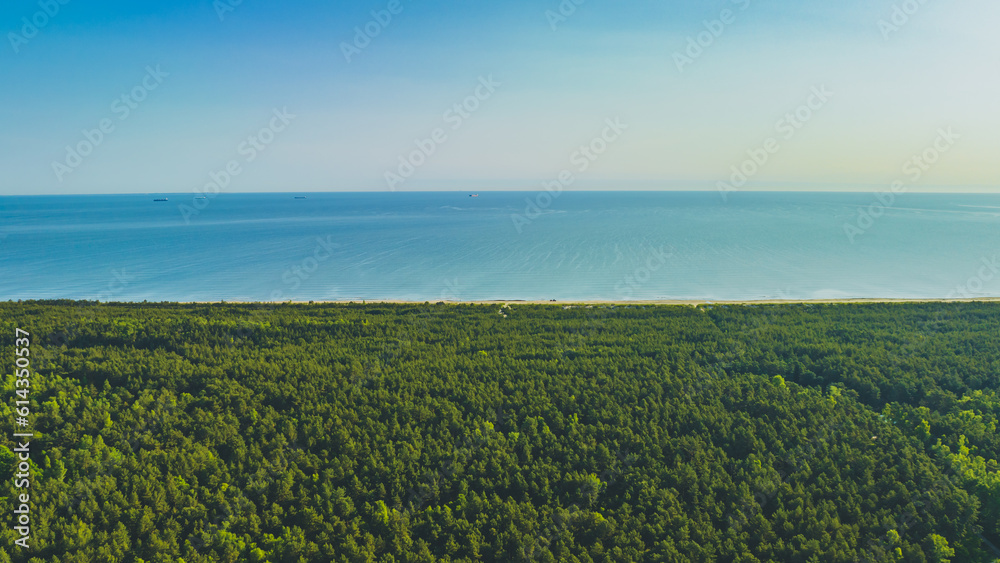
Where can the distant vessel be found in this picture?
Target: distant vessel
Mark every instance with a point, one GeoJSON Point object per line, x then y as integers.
{"type": "Point", "coordinates": [300, 197]}
{"type": "Point", "coordinates": [199, 197]}
{"type": "Point", "coordinates": [161, 199]}
{"type": "Point", "coordinates": [473, 195]}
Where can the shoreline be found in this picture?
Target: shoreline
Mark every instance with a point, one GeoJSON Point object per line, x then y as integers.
{"type": "Point", "coordinates": [553, 302]}
{"type": "Point", "coordinates": [591, 302]}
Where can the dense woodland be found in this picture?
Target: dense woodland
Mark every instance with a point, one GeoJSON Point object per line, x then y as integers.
{"type": "Point", "coordinates": [418, 433]}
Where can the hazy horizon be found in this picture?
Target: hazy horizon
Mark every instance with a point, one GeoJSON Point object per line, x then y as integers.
{"type": "Point", "coordinates": [389, 95]}
{"type": "Point", "coordinates": [930, 190]}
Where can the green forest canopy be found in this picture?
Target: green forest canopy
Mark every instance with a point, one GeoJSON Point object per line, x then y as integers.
{"type": "Point", "coordinates": [418, 433]}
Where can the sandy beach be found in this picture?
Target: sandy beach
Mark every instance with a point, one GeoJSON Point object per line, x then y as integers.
{"type": "Point", "coordinates": [584, 303]}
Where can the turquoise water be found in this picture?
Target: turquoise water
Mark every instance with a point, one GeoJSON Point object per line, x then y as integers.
{"type": "Point", "coordinates": [446, 245]}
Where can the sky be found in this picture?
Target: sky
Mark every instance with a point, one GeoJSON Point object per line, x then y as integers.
{"type": "Point", "coordinates": [407, 95]}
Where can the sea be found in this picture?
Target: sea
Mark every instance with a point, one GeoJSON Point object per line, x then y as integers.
{"type": "Point", "coordinates": [460, 246]}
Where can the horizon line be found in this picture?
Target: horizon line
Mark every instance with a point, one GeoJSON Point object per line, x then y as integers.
{"type": "Point", "coordinates": [949, 190]}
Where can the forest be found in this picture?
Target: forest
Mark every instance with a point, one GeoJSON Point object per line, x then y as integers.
{"type": "Point", "coordinates": [299, 433]}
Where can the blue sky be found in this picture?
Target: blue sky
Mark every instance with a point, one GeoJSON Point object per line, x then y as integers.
{"type": "Point", "coordinates": [555, 83]}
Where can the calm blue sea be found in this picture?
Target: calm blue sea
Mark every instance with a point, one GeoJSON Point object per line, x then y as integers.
{"type": "Point", "coordinates": [500, 245]}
